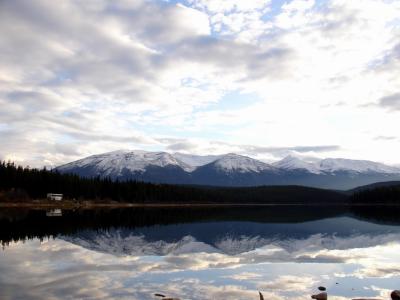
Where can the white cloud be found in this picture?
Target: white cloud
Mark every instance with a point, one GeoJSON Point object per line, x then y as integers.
{"type": "Point", "coordinates": [239, 18]}
{"type": "Point", "coordinates": [384, 270]}
{"type": "Point", "coordinates": [81, 78]}
{"type": "Point", "coordinates": [391, 101]}
{"type": "Point", "coordinates": [289, 283]}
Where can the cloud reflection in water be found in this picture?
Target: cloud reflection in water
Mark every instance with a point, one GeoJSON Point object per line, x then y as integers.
{"type": "Point", "coordinates": [282, 269]}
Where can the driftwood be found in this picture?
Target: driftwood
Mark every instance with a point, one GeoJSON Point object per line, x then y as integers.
{"type": "Point", "coordinates": [164, 297]}
{"type": "Point", "coordinates": [261, 296]}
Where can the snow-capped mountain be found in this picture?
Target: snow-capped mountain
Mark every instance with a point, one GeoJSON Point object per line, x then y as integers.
{"type": "Point", "coordinates": [238, 163]}
{"type": "Point", "coordinates": [294, 163]}
{"type": "Point", "coordinates": [231, 170]}
{"type": "Point", "coordinates": [118, 163]}
{"type": "Point", "coordinates": [332, 165]}
{"type": "Point", "coordinates": [140, 165]}
{"type": "Point", "coordinates": [235, 170]}
{"type": "Point", "coordinates": [358, 166]}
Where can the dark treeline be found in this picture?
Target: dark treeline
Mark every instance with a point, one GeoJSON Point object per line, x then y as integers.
{"type": "Point", "coordinates": [21, 183]}
{"type": "Point", "coordinates": [382, 194]}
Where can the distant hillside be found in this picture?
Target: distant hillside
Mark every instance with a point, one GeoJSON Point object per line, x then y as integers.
{"type": "Point", "coordinates": [374, 185]}
{"type": "Point", "coordinates": [382, 192]}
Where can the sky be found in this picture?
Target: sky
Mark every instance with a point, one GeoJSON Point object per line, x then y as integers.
{"type": "Point", "coordinates": [259, 78]}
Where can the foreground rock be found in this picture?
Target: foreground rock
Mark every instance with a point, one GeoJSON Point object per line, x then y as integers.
{"type": "Point", "coordinates": [320, 296]}
{"type": "Point", "coordinates": [163, 297]}
{"type": "Point", "coordinates": [395, 295]}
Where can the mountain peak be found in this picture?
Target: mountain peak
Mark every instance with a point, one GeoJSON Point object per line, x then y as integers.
{"type": "Point", "coordinates": [359, 166]}
{"type": "Point", "coordinates": [291, 162]}
{"type": "Point", "coordinates": [235, 162]}
{"type": "Point", "coordinates": [332, 165]}
{"type": "Point", "coordinates": [114, 163]}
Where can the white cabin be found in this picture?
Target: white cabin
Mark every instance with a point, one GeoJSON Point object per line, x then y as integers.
{"type": "Point", "coordinates": [55, 197]}
{"type": "Point", "coordinates": [54, 212]}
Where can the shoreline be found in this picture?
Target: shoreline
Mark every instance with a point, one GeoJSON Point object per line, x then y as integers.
{"type": "Point", "coordinates": [92, 205]}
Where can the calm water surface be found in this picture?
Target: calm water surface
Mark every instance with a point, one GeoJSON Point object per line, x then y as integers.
{"type": "Point", "coordinates": [220, 253]}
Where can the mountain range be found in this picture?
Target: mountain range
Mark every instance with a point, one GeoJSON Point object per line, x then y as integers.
{"type": "Point", "coordinates": [230, 170]}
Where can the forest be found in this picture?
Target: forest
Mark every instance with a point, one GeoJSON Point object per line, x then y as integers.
{"type": "Point", "coordinates": [19, 183]}
{"type": "Point", "coordinates": [389, 194]}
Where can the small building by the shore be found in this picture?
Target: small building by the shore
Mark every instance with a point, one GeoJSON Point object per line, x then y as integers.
{"type": "Point", "coordinates": [54, 197]}
{"type": "Point", "coordinates": [54, 212]}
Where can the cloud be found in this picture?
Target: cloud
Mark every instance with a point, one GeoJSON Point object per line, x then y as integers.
{"type": "Point", "coordinates": [391, 102]}
{"type": "Point", "coordinates": [289, 283]}
{"type": "Point", "coordinates": [133, 139]}
{"type": "Point", "coordinates": [385, 138]}
{"type": "Point", "coordinates": [238, 17]}
{"type": "Point", "coordinates": [388, 62]}
{"type": "Point", "coordinates": [182, 146]}
{"type": "Point", "coordinates": [245, 276]}
{"type": "Point", "coordinates": [300, 149]}
{"type": "Point", "coordinates": [385, 270]}
{"type": "Point", "coordinates": [86, 72]}
{"type": "Point", "coordinates": [99, 76]}
{"type": "Point", "coordinates": [217, 147]}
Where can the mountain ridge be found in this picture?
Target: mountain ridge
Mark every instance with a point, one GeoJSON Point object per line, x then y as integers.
{"type": "Point", "coordinates": [230, 170]}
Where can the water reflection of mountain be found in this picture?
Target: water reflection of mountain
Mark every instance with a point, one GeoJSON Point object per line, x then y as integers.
{"type": "Point", "coordinates": [230, 237]}
{"type": "Point", "coordinates": [207, 225]}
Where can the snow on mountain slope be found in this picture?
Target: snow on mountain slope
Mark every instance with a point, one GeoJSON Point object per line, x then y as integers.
{"type": "Point", "coordinates": [114, 163]}
{"type": "Point", "coordinates": [359, 166]}
{"type": "Point", "coordinates": [233, 162]}
{"type": "Point", "coordinates": [231, 170]}
{"type": "Point", "coordinates": [196, 160]}
{"type": "Point", "coordinates": [278, 246]}
{"type": "Point", "coordinates": [294, 163]}
{"type": "Point", "coordinates": [116, 243]}
{"type": "Point", "coordinates": [119, 242]}
{"type": "Point", "coordinates": [332, 165]}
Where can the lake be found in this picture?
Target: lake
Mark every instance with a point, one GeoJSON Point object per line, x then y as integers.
{"type": "Point", "coordinates": [285, 252]}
